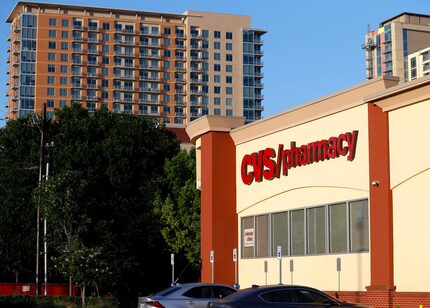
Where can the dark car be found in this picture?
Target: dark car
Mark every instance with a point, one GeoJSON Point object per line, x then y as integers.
{"type": "Point", "coordinates": [280, 296]}
{"type": "Point", "coordinates": [193, 295]}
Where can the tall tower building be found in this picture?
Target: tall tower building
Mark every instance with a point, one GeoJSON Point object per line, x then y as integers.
{"type": "Point", "coordinates": [173, 67]}
{"type": "Point", "coordinates": [388, 47]}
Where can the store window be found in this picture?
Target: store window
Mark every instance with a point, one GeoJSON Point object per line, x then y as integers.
{"type": "Point", "coordinates": [248, 237]}
{"type": "Point", "coordinates": [262, 232]}
{"type": "Point", "coordinates": [338, 228]}
{"type": "Point", "coordinates": [316, 225]}
{"type": "Point", "coordinates": [298, 232]}
{"type": "Point", "coordinates": [359, 226]}
{"type": "Point", "coordinates": [280, 233]}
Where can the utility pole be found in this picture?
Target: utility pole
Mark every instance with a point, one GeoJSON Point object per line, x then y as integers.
{"type": "Point", "coordinates": [41, 124]}
{"type": "Point", "coordinates": [45, 246]}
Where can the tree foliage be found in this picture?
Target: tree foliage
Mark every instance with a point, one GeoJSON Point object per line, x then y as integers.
{"type": "Point", "coordinates": [179, 207]}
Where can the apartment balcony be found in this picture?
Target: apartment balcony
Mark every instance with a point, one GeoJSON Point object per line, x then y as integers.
{"type": "Point", "coordinates": [77, 38]}
{"type": "Point", "coordinates": [196, 58]}
{"type": "Point", "coordinates": [258, 74]}
{"type": "Point", "coordinates": [14, 75]}
{"type": "Point", "coordinates": [128, 65]}
{"type": "Point", "coordinates": [196, 36]}
{"type": "Point", "coordinates": [77, 97]}
{"type": "Point", "coordinates": [259, 108]}
{"type": "Point", "coordinates": [258, 52]}
{"type": "Point", "coordinates": [196, 114]}
{"type": "Point", "coordinates": [180, 114]}
{"type": "Point", "coordinates": [259, 85]}
{"type": "Point", "coordinates": [76, 85]}
{"type": "Point", "coordinates": [178, 103]}
{"type": "Point", "coordinates": [16, 29]}
{"type": "Point", "coordinates": [91, 74]}
{"type": "Point", "coordinates": [93, 40]}
{"type": "Point", "coordinates": [74, 73]}
{"type": "Point", "coordinates": [77, 50]}
{"type": "Point", "coordinates": [143, 55]}
{"type": "Point", "coordinates": [124, 42]}
{"type": "Point", "coordinates": [180, 46]}
{"type": "Point", "coordinates": [180, 80]}
{"type": "Point", "coordinates": [127, 77]}
{"type": "Point", "coordinates": [197, 70]}
{"type": "Point", "coordinates": [77, 62]}
{"type": "Point", "coordinates": [92, 86]}
{"type": "Point", "coordinates": [15, 62]}
{"type": "Point", "coordinates": [195, 47]}
{"type": "Point", "coordinates": [180, 35]}
{"type": "Point", "coordinates": [15, 85]}
{"type": "Point", "coordinates": [147, 33]}
{"type": "Point", "coordinates": [93, 51]}
{"type": "Point", "coordinates": [149, 78]}
{"type": "Point", "coordinates": [123, 88]}
{"type": "Point", "coordinates": [150, 67]}
{"type": "Point", "coordinates": [78, 27]}
{"type": "Point", "coordinates": [197, 80]}
{"type": "Point", "coordinates": [125, 31]}
{"type": "Point", "coordinates": [93, 63]}
{"type": "Point", "coordinates": [258, 41]}
{"type": "Point", "coordinates": [147, 101]}
{"type": "Point", "coordinates": [15, 51]}
{"type": "Point", "coordinates": [14, 97]}
{"type": "Point", "coordinates": [93, 98]}
{"type": "Point", "coordinates": [181, 58]}
{"type": "Point", "coordinates": [149, 90]}
{"type": "Point", "coordinates": [93, 28]}
{"type": "Point", "coordinates": [258, 63]}
{"type": "Point", "coordinates": [124, 54]}
{"type": "Point", "coordinates": [258, 96]}
{"type": "Point", "coordinates": [16, 39]}
{"type": "Point", "coordinates": [180, 91]}
{"type": "Point", "coordinates": [149, 44]}
{"type": "Point", "coordinates": [196, 92]}
{"type": "Point", "coordinates": [195, 103]}
{"type": "Point", "coordinates": [180, 69]}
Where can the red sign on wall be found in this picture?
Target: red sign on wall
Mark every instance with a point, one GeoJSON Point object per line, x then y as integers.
{"type": "Point", "coordinates": [269, 164]}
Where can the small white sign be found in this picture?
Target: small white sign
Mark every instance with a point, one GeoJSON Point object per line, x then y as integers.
{"type": "Point", "coordinates": [234, 255]}
{"type": "Point", "coordinates": [25, 288]}
{"type": "Point", "coordinates": [212, 256]}
{"type": "Point", "coordinates": [172, 259]}
{"type": "Point", "coordinates": [248, 237]}
{"type": "Point", "coordinates": [279, 252]}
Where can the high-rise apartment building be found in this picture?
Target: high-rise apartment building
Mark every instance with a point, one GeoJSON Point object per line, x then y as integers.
{"type": "Point", "coordinates": [173, 67]}
{"type": "Point", "coordinates": [388, 47]}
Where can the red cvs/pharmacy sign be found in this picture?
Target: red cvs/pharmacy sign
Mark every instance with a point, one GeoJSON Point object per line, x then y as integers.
{"type": "Point", "coordinates": [269, 164]}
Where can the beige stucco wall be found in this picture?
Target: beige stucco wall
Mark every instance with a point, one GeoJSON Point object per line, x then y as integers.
{"type": "Point", "coordinates": [315, 184]}
{"type": "Point", "coordinates": [410, 180]}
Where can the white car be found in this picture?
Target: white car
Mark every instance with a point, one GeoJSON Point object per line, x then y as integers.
{"type": "Point", "coordinates": [195, 295]}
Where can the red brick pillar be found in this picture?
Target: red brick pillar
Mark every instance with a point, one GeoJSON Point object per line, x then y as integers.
{"type": "Point", "coordinates": [381, 290]}
{"type": "Point", "coordinates": [218, 216]}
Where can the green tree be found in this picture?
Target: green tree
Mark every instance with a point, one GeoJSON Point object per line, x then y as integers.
{"type": "Point", "coordinates": [179, 207]}
{"type": "Point", "coordinates": [19, 152]}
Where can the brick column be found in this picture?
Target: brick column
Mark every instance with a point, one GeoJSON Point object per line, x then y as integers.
{"type": "Point", "coordinates": [218, 216]}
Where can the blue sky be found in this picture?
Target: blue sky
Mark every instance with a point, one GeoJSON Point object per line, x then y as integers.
{"type": "Point", "coordinates": [312, 47]}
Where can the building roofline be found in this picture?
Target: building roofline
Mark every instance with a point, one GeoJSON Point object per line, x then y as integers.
{"type": "Point", "coordinates": [404, 13]}
{"type": "Point", "coordinates": [19, 4]}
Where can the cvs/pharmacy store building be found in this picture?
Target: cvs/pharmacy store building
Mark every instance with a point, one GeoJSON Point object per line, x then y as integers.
{"type": "Point", "coordinates": [333, 194]}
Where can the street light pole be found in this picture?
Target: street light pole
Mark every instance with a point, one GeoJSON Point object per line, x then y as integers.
{"type": "Point", "coordinates": [45, 248]}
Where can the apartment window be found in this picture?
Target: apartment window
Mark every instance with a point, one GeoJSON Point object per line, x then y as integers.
{"type": "Point", "coordinates": [205, 33]}
{"type": "Point", "coordinates": [64, 57]}
{"type": "Point", "coordinates": [51, 91]}
{"type": "Point", "coordinates": [64, 22]}
{"type": "Point", "coordinates": [51, 68]}
{"type": "Point", "coordinates": [105, 83]}
{"type": "Point", "coordinates": [228, 46]}
{"type": "Point", "coordinates": [63, 80]}
{"type": "Point", "coordinates": [229, 113]}
{"type": "Point", "coordinates": [229, 35]}
{"type": "Point", "coordinates": [229, 90]}
{"type": "Point", "coordinates": [217, 67]}
{"type": "Point", "coordinates": [167, 42]}
{"type": "Point", "coordinates": [167, 53]}
{"type": "Point", "coordinates": [217, 56]}
{"type": "Point", "coordinates": [51, 79]}
{"type": "Point", "coordinates": [217, 45]}
{"type": "Point", "coordinates": [52, 45]}
{"type": "Point", "coordinates": [50, 103]}
{"type": "Point", "coordinates": [217, 78]}
{"type": "Point", "coordinates": [51, 56]}
{"type": "Point", "coordinates": [63, 92]}
{"type": "Point", "coordinates": [106, 26]}
{"type": "Point", "coordinates": [217, 90]}
{"type": "Point", "coordinates": [229, 57]}
{"type": "Point", "coordinates": [105, 71]}
{"type": "Point", "coordinates": [52, 33]}
{"type": "Point", "coordinates": [229, 68]}
{"type": "Point", "coordinates": [167, 31]}
{"type": "Point", "coordinates": [338, 228]}
{"type": "Point", "coordinates": [63, 103]}
{"type": "Point", "coordinates": [64, 46]}
{"type": "Point", "coordinates": [65, 34]}
{"type": "Point", "coordinates": [105, 37]}
{"type": "Point", "coordinates": [105, 94]}
{"type": "Point", "coordinates": [63, 69]}
{"type": "Point", "coordinates": [229, 79]}
{"type": "Point", "coordinates": [105, 60]}
{"type": "Point", "coordinates": [52, 22]}
{"type": "Point", "coordinates": [229, 101]}
{"type": "Point", "coordinates": [279, 232]}
{"type": "Point", "coordinates": [217, 112]}
{"type": "Point", "coordinates": [217, 34]}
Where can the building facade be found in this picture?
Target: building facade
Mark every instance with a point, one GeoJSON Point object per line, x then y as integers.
{"type": "Point", "coordinates": [331, 194]}
{"type": "Point", "coordinates": [173, 67]}
{"type": "Point", "coordinates": [419, 64]}
{"type": "Point", "coordinates": [388, 47]}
